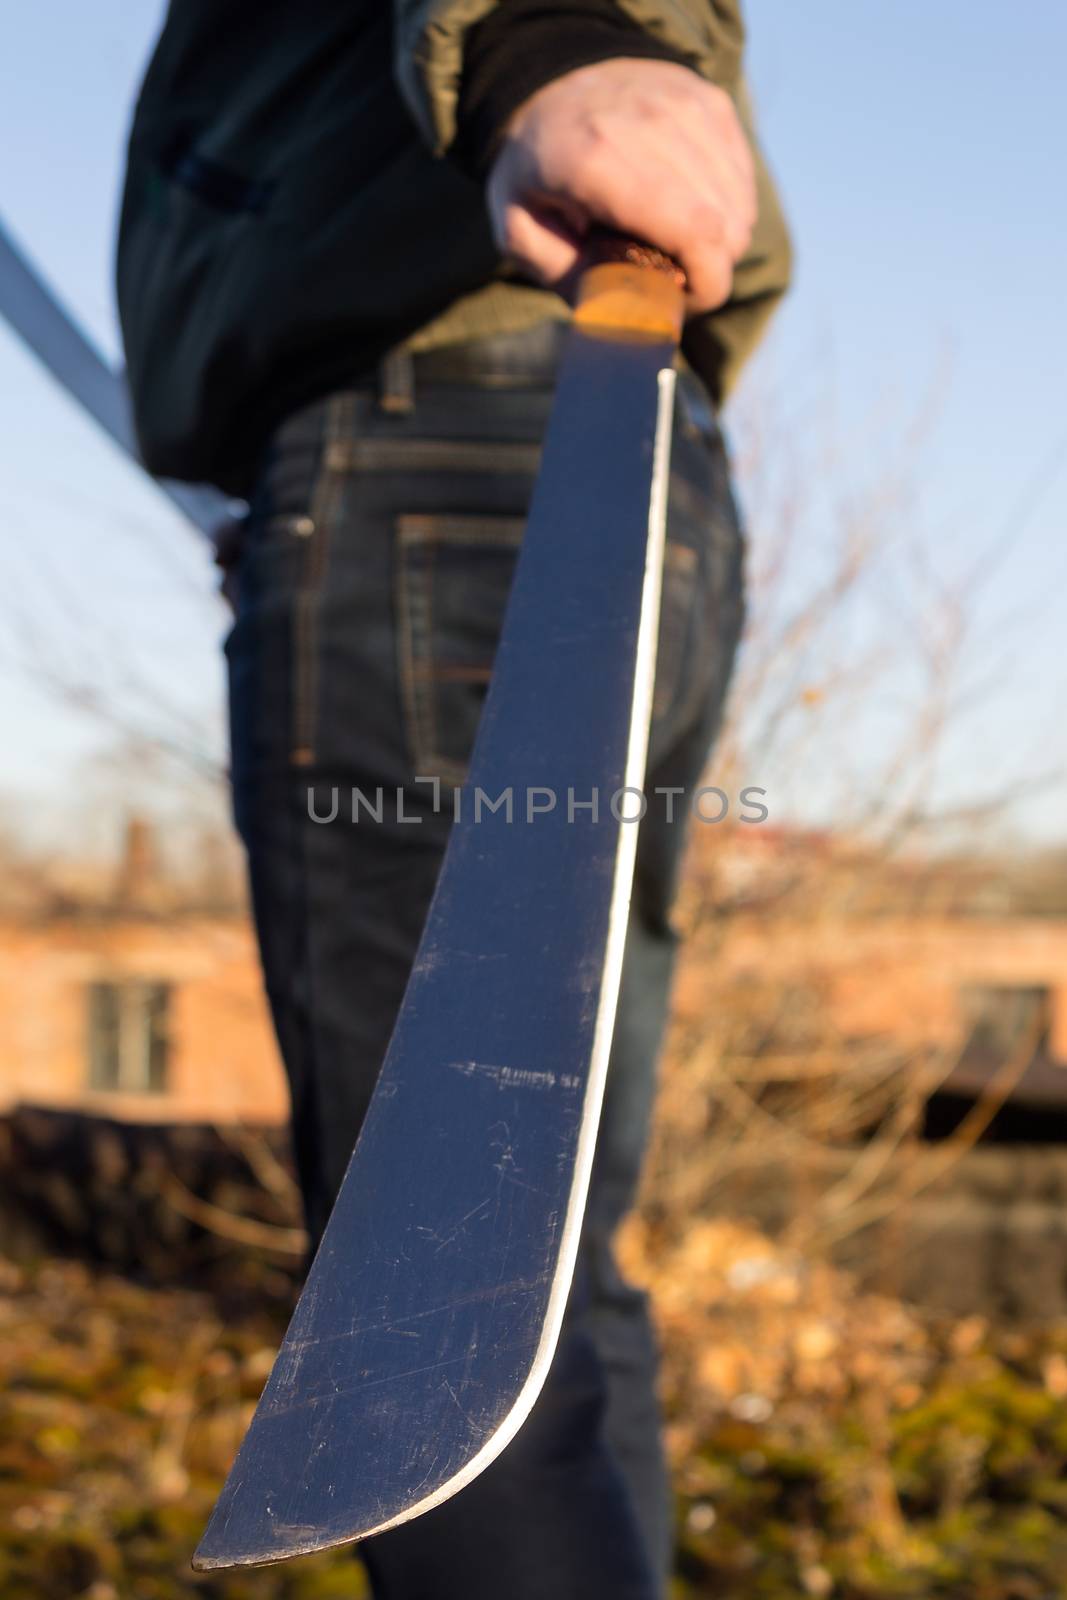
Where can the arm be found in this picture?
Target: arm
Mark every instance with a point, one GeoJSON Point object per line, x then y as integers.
{"type": "Point", "coordinates": [626, 112]}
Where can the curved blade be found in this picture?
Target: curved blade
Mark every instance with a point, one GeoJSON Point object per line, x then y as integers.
{"type": "Point", "coordinates": [433, 1307]}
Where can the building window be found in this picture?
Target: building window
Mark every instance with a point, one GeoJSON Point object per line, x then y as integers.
{"type": "Point", "coordinates": [1000, 1018]}
{"type": "Point", "coordinates": [128, 1038]}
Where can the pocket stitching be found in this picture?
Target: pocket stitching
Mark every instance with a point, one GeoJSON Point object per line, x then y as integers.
{"type": "Point", "coordinates": [422, 533]}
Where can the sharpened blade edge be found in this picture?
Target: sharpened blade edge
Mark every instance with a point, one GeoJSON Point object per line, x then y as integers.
{"type": "Point", "coordinates": [618, 916]}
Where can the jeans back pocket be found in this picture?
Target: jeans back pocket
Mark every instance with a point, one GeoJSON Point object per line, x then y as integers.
{"type": "Point", "coordinates": [454, 575]}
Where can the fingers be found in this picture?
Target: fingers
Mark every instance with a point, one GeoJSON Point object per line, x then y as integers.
{"type": "Point", "coordinates": [677, 206]}
{"type": "Point", "coordinates": [695, 158]}
{"type": "Point", "coordinates": [645, 147]}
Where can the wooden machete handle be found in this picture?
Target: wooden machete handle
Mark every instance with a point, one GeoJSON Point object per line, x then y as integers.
{"type": "Point", "coordinates": [628, 286]}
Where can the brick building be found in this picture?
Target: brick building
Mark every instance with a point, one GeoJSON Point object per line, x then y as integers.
{"type": "Point", "coordinates": [154, 1018]}
{"type": "Point", "coordinates": [130, 1006]}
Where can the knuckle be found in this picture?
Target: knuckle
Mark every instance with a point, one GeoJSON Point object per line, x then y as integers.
{"type": "Point", "coordinates": [594, 136]}
{"type": "Point", "coordinates": [739, 235]}
{"type": "Point", "coordinates": [710, 278]}
{"type": "Point", "coordinates": [718, 103]}
{"type": "Point", "coordinates": [708, 225]}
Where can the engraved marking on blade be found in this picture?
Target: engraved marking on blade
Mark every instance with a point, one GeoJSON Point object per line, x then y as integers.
{"type": "Point", "coordinates": [517, 1077]}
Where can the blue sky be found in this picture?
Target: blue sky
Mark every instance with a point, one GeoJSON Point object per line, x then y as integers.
{"type": "Point", "coordinates": [917, 148]}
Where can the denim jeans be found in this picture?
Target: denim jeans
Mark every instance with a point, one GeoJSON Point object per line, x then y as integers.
{"type": "Point", "coordinates": [376, 561]}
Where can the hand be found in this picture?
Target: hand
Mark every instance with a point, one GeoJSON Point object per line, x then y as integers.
{"type": "Point", "coordinates": [646, 147]}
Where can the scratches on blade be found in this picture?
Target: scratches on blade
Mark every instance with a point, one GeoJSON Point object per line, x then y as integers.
{"type": "Point", "coordinates": [457, 1226]}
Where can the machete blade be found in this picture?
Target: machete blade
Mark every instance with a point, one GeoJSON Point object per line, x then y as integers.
{"type": "Point", "coordinates": [433, 1307]}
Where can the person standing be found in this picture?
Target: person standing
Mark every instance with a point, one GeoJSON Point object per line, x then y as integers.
{"type": "Point", "coordinates": [347, 239]}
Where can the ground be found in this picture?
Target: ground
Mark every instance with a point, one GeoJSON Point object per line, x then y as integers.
{"type": "Point", "coordinates": [825, 1443]}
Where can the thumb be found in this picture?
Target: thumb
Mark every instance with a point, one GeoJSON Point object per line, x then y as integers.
{"type": "Point", "coordinates": [538, 239]}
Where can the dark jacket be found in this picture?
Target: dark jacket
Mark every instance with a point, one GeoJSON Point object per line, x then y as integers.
{"type": "Point", "coordinates": [291, 212]}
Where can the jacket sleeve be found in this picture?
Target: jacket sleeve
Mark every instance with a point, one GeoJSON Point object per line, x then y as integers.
{"type": "Point", "coordinates": [524, 44]}
{"type": "Point", "coordinates": [431, 38]}
{"type": "Point", "coordinates": [431, 35]}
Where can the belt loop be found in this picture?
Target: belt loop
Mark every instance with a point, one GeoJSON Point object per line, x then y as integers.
{"type": "Point", "coordinates": [396, 382]}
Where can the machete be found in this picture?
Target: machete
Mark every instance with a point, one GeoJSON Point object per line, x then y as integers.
{"type": "Point", "coordinates": [433, 1306]}
{"type": "Point", "coordinates": [59, 344]}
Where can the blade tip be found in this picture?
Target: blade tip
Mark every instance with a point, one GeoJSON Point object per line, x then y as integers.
{"type": "Point", "coordinates": [214, 1554]}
